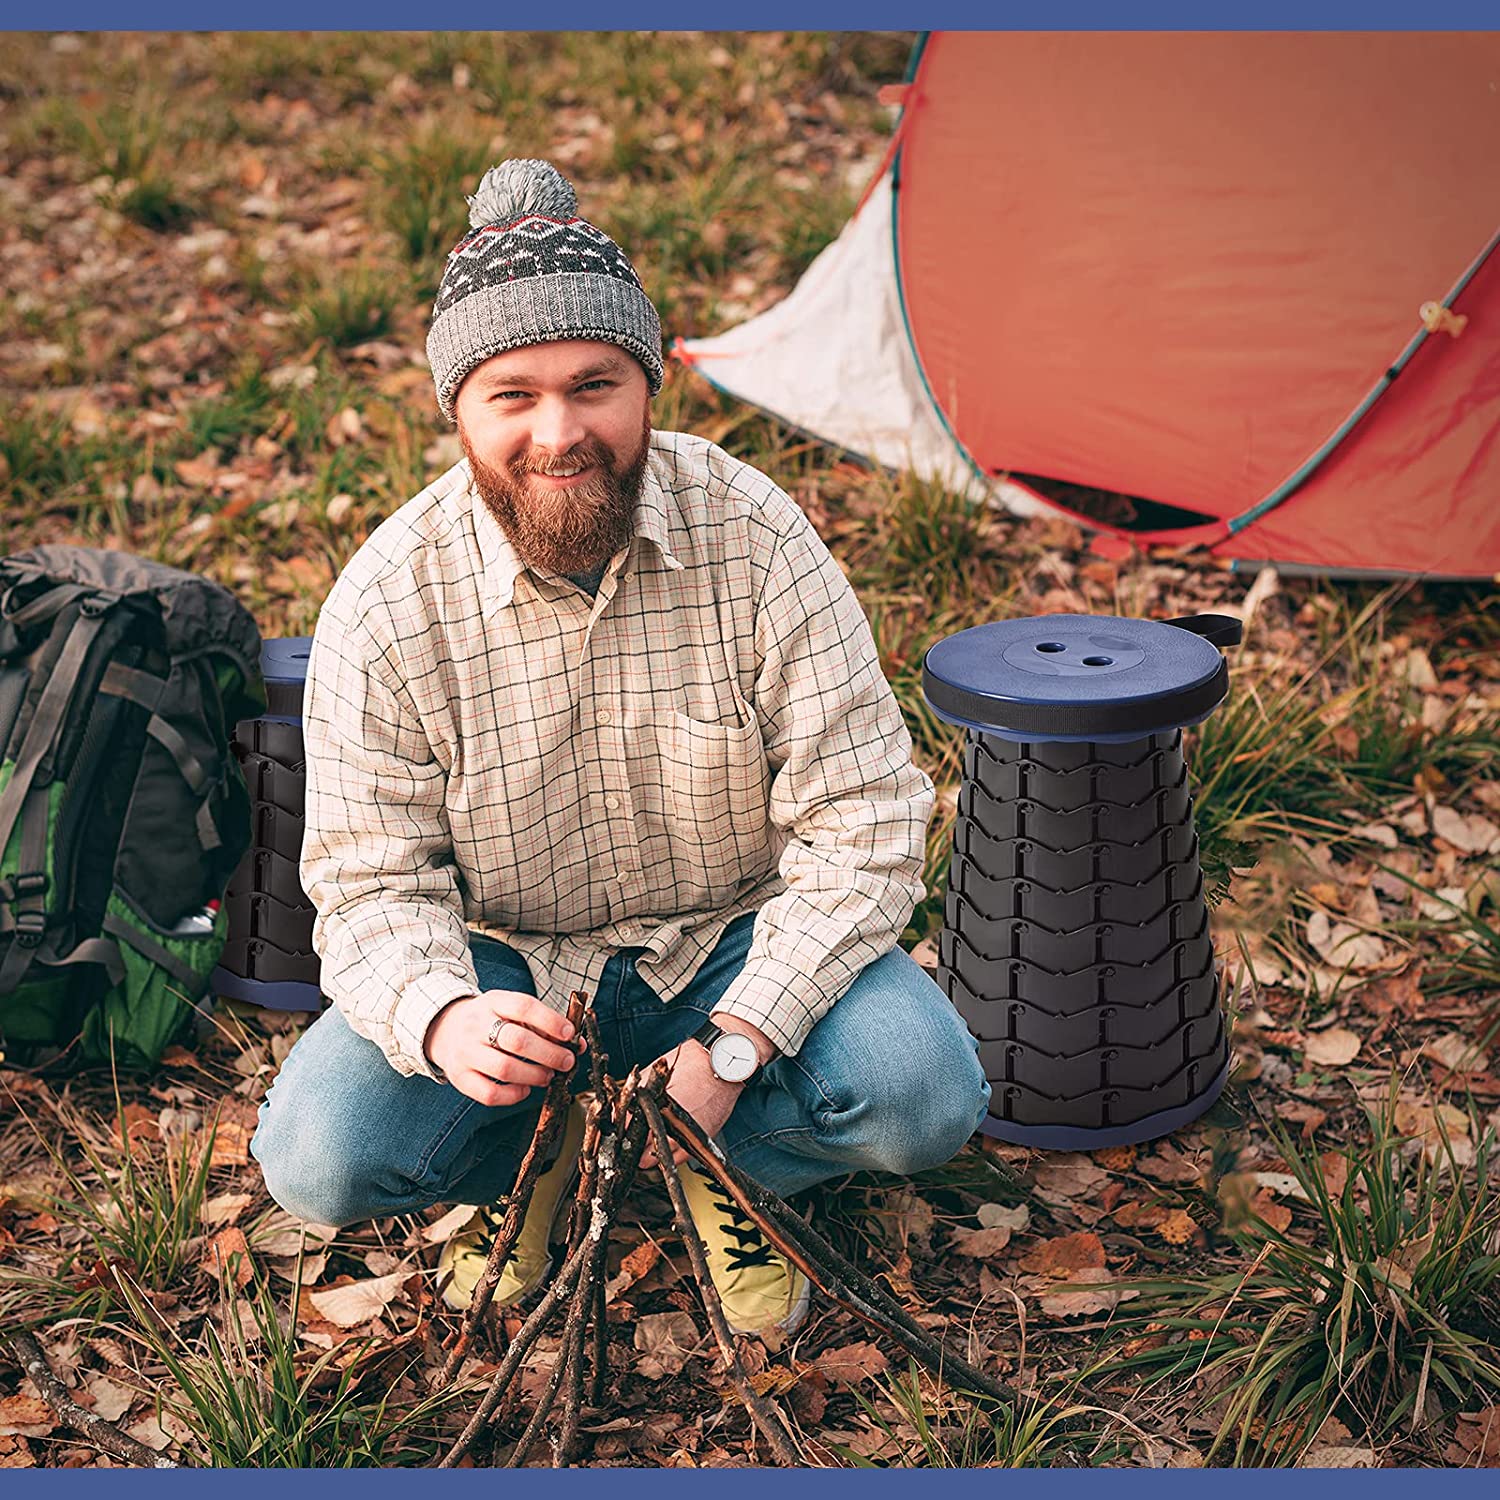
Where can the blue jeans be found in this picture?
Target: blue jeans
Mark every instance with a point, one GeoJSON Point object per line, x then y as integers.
{"type": "Point", "coordinates": [889, 1080]}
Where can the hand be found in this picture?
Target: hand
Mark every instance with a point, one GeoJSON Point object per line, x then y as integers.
{"type": "Point", "coordinates": [534, 1044]}
{"type": "Point", "coordinates": [693, 1087]}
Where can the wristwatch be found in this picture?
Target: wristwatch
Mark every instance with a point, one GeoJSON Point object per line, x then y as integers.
{"type": "Point", "coordinates": [731, 1054]}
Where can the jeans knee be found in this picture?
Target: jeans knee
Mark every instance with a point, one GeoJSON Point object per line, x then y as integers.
{"type": "Point", "coordinates": [310, 1181]}
{"type": "Point", "coordinates": [923, 1103]}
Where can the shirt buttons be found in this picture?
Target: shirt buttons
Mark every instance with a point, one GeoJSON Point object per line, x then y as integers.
{"type": "Point", "coordinates": [612, 803]}
{"type": "Point", "coordinates": [604, 716]}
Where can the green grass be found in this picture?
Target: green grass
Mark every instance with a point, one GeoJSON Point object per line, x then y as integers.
{"type": "Point", "coordinates": [41, 459]}
{"type": "Point", "coordinates": [122, 139]}
{"type": "Point", "coordinates": [935, 1427]}
{"type": "Point", "coordinates": [153, 202]}
{"type": "Point", "coordinates": [1382, 1315]}
{"type": "Point", "coordinates": [252, 1397]}
{"type": "Point", "coordinates": [134, 1204]}
{"type": "Point", "coordinates": [1476, 963]}
{"type": "Point", "coordinates": [349, 308]}
{"type": "Point", "coordinates": [1291, 747]}
{"type": "Point", "coordinates": [243, 411]}
{"type": "Point", "coordinates": [422, 183]}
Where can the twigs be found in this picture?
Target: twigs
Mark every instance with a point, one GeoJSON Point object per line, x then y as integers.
{"type": "Point", "coordinates": [105, 1434]}
{"type": "Point", "coordinates": [612, 1171]}
{"type": "Point", "coordinates": [622, 1116]}
{"type": "Point", "coordinates": [548, 1126]}
{"type": "Point", "coordinates": [828, 1270]}
{"type": "Point", "coordinates": [764, 1411]}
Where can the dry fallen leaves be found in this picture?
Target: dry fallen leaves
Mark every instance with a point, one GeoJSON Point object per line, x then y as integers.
{"type": "Point", "coordinates": [227, 1254]}
{"type": "Point", "coordinates": [224, 1209]}
{"type": "Point", "coordinates": [1065, 1255]}
{"type": "Point", "coordinates": [1332, 1048]}
{"type": "Point", "coordinates": [139, 1124]}
{"type": "Point", "coordinates": [25, 1416]}
{"type": "Point", "coordinates": [1476, 1438]}
{"type": "Point", "coordinates": [1090, 1291]}
{"type": "Point", "coordinates": [231, 1144]}
{"type": "Point", "coordinates": [665, 1343]}
{"type": "Point", "coordinates": [355, 1302]}
{"type": "Point", "coordinates": [1178, 1228]}
{"type": "Point", "coordinates": [1343, 945]}
{"type": "Point", "coordinates": [1456, 1053]}
{"type": "Point", "coordinates": [852, 1363]}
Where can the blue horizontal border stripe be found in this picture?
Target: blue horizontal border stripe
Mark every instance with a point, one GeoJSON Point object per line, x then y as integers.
{"type": "Point", "coordinates": [1051, 15]}
{"type": "Point", "coordinates": [750, 1484]}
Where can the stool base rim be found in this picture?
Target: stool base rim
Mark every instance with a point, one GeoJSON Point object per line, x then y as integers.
{"type": "Point", "coordinates": [1083, 1138]}
{"type": "Point", "coordinates": [269, 994]}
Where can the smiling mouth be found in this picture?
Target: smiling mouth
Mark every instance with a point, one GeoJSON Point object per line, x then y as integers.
{"type": "Point", "coordinates": [563, 477]}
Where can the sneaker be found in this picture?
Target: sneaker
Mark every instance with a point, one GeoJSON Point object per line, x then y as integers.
{"type": "Point", "coordinates": [465, 1256]}
{"type": "Point", "coordinates": [758, 1285]}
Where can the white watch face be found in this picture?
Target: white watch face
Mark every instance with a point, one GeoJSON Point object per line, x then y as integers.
{"type": "Point", "coordinates": [734, 1057]}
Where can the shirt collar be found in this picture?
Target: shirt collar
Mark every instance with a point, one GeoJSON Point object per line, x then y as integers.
{"type": "Point", "coordinates": [654, 516]}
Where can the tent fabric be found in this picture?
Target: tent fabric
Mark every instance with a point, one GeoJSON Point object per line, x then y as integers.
{"type": "Point", "coordinates": [1174, 266]}
{"type": "Point", "coordinates": [860, 390]}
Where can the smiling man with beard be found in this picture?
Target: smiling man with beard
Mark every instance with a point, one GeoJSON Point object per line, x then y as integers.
{"type": "Point", "coordinates": [597, 710]}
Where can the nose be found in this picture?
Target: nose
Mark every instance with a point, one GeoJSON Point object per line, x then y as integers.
{"type": "Point", "coordinates": [557, 426]}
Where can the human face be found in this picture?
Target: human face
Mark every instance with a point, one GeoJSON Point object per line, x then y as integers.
{"type": "Point", "coordinates": [556, 435]}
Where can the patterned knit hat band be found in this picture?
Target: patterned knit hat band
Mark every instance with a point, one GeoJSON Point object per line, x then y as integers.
{"type": "Point", "coordinates": [531, 273]}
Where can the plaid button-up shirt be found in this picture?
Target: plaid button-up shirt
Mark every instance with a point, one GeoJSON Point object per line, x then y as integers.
{"type": "Point", "coordinates": [711, 734]}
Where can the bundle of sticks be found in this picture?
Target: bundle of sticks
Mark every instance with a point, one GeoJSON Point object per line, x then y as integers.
{"type": "Point", "coordinates": [622, 1115]}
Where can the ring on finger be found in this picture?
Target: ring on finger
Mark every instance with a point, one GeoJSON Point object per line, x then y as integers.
{"type": "Point", "coordinates": [493, 1039]}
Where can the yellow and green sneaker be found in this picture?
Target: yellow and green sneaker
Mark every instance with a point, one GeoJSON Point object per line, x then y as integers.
{"type": "Point", "coordinates": [758, 1285]}
{"type": "Point", "coordinates": [465, 1256]}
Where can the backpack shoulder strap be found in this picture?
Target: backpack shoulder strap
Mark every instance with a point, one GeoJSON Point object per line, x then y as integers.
{"type": "Point", "coordinates": [146, 689]}
{"type": "Point", "coordinates": [50, 712]}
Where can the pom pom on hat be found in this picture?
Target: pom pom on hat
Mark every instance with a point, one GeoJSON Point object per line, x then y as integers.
{"type": "Point", "coordinates": [519, 187]}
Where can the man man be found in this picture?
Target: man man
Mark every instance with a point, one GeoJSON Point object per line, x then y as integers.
{"type": "Point", "coordinates": [597, 710]}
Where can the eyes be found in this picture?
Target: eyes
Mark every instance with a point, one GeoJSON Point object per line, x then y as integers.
{"type": "Point", "coordinates": [587, 387]}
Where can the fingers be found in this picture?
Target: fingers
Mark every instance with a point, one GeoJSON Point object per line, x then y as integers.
{"type": "Point", "coordinates": [487, 1091]}
{"type": "Point", "coordinates": [529, 1012]}
{"type": "Point", "coordinates": [648, 1157]}
{"type": "Point", "coordinates": [519, 1041]}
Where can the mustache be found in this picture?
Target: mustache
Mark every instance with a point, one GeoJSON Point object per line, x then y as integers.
{"type": "Point", "coordinates": [586, 453]}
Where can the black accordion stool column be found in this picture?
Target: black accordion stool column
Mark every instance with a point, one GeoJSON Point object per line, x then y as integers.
{"type": "Point", "coordinates": [268, 958]}
{"type": "Point", "coordinates": [1076, 942]}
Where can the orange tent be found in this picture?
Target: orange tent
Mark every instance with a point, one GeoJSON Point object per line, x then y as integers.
{"type": "Point", "coordinates": [1248, 276]}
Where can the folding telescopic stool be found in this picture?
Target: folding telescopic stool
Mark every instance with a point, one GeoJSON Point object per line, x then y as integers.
{"type": "Point", "coordinates": [1076, 942]}
{"type": "Point", "coordinates": [268, 959]}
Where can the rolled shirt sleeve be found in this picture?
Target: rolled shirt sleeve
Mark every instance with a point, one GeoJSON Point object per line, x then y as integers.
{"type": "Point", "coordinates": [377, 859]}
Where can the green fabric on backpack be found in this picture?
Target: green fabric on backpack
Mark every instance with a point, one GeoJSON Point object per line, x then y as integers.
{"type": "Point", "coordinates": [123, 811]}
{"type": "Point", "coordinates": [151, 1008]}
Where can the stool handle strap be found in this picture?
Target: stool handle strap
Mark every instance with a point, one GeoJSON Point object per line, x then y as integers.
{"type": "Point", "coordinates": [1217, 630]}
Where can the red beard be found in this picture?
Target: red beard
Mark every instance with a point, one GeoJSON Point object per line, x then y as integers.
{"type": "Point", "coordinates": [569, 530]}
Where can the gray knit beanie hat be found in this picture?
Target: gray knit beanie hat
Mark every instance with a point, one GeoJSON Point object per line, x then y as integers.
{"type": "Point", "coordinates": [532, 271]}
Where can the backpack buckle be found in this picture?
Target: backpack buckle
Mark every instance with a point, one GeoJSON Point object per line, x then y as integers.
{"type": "Point", "coordinates": [18, 887]}
{"type": "Point", "coordinates": [31, 928]}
